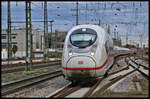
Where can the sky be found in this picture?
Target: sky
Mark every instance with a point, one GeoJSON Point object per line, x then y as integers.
{"type": "Point", "coordinates": [130, 17]}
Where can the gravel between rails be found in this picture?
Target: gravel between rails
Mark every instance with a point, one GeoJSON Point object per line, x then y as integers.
{"type": "Point", "coordinates": [6, 66]}
{"type": "Point", "coordinates": [43, 89]}
{"type": "Point", "coordinates": [22, 68]}
{"type": "Point", "coordinates": [19, 75]}
{"type": "Point", "coordinates": [120, 64]}
{"type": "Point", "coordinates": [126, 84]}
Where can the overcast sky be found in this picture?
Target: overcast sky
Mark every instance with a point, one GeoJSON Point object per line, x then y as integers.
{"type": "Point", "coordinates": [112, 13]}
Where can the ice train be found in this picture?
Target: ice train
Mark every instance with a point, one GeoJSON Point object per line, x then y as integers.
{"type": "Point", "coordinates": [88, 51]}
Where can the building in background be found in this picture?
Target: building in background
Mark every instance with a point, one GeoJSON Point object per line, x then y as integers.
{"type": "Point", "coordinates": [60, 38]}
{"type": "Point", "coordinates": [55, 40]}
{"type": "Point", "coordinates": [4, 54]}
{"type": "Point", "coordinates": [137, 43]}
{"type": "Point", "coordinates": [19, 39]}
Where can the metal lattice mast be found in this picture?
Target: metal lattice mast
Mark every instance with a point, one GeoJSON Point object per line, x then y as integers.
{"type": "Point", "coordinates": [28, 36]}
{"type": "Point", "coordinates": [9, 46]}
{"type": "Point", "coordinates": [51, 32]}
{"type": "Point", "coordinates": [26, 68]}
{"type": "Point", "coordinates": [45, 31]}
{"type": "Point", "coordinates": [77, 13]}
{"type": "Point", "coordinates": [41, 42]}
{"type": "Point", "coordinates": [86, 13]}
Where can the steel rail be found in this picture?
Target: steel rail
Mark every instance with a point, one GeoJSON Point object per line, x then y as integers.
{"type": "Point", "coordinates": [13, 86]}
{"type": "Point", "coordinates": [145, 75]}
{"type": "Point", "coordinates": [98, 82]}
{"type": "Point", "coordinates": [65, 91]}
{"type": "Point", "coordinates": [18, 69]}
{"type": "Point", "coordinates": [126, 68]}
{"type": "Point", "coordinates": [68, 89]}
{"type": "Point", "coordinates": [93, 88]}
{"type": "Point", "coordinates": [23, 64]}
{"type": "Point", "coordinates": [137, 68]}
{"type": "Point", "coordinates": [68, 92]}
{"type": "Point", "coordinates": [59, 92]}
{"type": "Point", "coordinates": [114, 80]}
{"type": "Point", "coordinates": [145, 67]}
{"type": "Point", "coordinates": [89, 93]}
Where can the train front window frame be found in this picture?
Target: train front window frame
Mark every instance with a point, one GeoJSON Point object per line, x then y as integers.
{"type": "Point", "coordinates": [83, 40]}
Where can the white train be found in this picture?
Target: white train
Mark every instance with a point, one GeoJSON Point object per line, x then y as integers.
{"type": "Point", "coordinates": [123, 51]}
{"type": "Point", "coordinates": [120, 50]}
{"type": "Point", "coordinates": [88, 52]}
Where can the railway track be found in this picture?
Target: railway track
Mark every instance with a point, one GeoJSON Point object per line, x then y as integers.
{"type": "Point", "coordinates": [14, 86]}
{"type": "Point", "coordinates": [103, 88]}
{"type": "Point", "coordinates": [68, 91]}
{"type": "Point", "coordinates": [145, 67]}
{"type": "Point", "coordinates": [140, 68]}
{"type": "Point", "coordinates": [72, 90]}
{"type": "Point", "coordinates": [19, 64]}
{"type": "Point", "coordinates": [22, 68]}
{"type": "Point", "coordinates": [98, 88]}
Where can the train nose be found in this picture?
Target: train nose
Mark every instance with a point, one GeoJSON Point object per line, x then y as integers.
{"type": "Point", "coordinates": [81, 65]}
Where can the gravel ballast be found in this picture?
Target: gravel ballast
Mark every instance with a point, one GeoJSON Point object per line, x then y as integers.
{"type": "Point", "coordinates": [42, 89]}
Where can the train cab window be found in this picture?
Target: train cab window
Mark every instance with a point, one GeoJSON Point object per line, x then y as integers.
{"type": "Point", "coordinates": [83, 38]}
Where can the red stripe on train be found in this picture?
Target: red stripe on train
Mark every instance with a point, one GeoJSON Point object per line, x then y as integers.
{"type": "Point", "coordinates": [90, 68]}
{"type": "Point", "coordinates": [86, 68]}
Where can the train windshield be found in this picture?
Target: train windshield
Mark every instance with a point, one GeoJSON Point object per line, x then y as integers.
{"type": "Point", "coordinates": [82, 40]}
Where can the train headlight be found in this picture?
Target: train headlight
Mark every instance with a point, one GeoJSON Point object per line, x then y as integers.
{"type": "Point", "coordinates": [92, 53]}
{"type": "Point", "coordinates": [93, 49]}
{"type": "Point", "coordinates": [69, 46]}
{"type": "Point", "coordinates": [70, 53]}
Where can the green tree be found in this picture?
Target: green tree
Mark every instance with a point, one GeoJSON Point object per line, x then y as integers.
{"type": "Point", "coordinates": [14, 49]}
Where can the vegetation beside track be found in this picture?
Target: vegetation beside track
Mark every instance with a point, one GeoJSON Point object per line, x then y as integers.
{"type": "Point", "coordinates": [24, 74]}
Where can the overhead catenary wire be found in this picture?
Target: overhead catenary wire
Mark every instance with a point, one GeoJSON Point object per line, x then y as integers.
{"type": "Point", "coordinates": [97, 12]}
